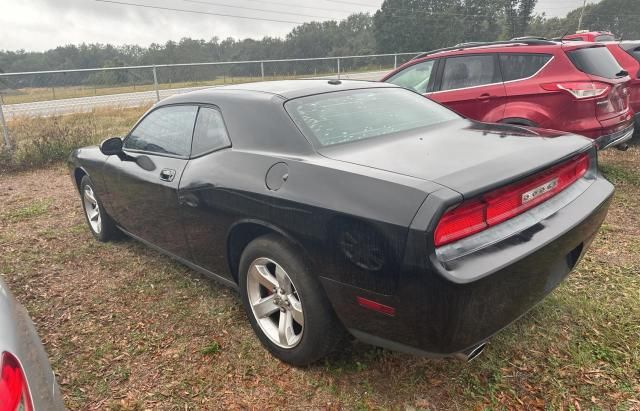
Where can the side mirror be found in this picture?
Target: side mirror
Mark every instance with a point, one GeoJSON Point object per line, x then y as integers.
{"type": "Point", "coordinates": [111, 146]}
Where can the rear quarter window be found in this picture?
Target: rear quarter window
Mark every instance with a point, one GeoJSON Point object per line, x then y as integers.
{"type": "Point", "coordinates": [209, 133]}
{"type": "Point", "coordinates": [519, 66]}
{"type": "Point", "coordinates": [596, 61]}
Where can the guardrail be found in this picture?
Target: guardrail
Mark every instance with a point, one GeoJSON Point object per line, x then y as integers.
{"type": "Point", "coordinates": [42, 93]}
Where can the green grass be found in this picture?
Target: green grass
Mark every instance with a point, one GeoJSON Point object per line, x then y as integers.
{"type": "Point", "coordinates": [29, 95]}
{"type": "Point", "coordinates": [34, 209]}
{"type": "Point", "coordinates": [39, 141]}
{"type": "Point", "coordinates": [618, 174]}
{"type": "Point", "coordinates": [212, 349]}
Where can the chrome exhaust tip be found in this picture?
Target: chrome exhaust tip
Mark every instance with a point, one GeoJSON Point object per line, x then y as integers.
{"type": "Point", "coordinates": [472, 353]}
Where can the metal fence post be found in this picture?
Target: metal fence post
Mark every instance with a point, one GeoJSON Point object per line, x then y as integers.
{"type": "Point", "coordinates": [338, 68]}
{"type": "Point", "coordinates": [395, 61]}
{"type": "Point", "coordinates": [5, 129]}
{"type": "Point", "coordinates": [262, 69]}
{"type": "Point", "coordinates": [155, 83]}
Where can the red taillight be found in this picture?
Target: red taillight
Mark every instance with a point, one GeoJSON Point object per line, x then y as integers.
{"type": "Point", "coordinates": [14, 391]}
{"type": "Point", "coordinates": [464, 220]}
{"type": "Point", "coordinates": [493, 208]}
{"type": "Point", "coordinates": [579, 89]}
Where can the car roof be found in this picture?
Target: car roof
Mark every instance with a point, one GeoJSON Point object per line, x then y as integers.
{"type": "Point", "coordinates": [252, 111]}
{"type": "Point", "coordinates": [480, 47]}
{"type": "Point", "coordinates": [286, 89]}
{"type": "Point", "coordinates": [503, 47]}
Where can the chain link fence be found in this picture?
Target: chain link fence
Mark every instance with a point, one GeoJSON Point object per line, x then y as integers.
{"type": "Point", "coordinates": [47, 93]}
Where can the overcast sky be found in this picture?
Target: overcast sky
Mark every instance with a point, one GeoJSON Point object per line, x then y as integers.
{"type": "Point", "coordinates": [45, 24]}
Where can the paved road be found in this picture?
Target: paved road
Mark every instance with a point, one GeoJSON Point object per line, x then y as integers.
{"type": "Point", "coordinates": [82, 104]}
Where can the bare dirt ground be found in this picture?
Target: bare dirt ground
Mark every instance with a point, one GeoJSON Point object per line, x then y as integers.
{"type": "Point", "coordinates": [126, 328]}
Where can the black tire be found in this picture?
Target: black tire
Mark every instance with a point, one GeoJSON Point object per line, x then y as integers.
{"type": "Point", "coordinates": [519, 122]}
{"type": "Point", "coordinates": [108, 230]}
{"type": "Point", "coordinates": [322, 333]}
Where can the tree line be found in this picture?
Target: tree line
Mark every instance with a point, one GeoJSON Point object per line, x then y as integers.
{"type": "Point", "coordinates": [398, 26]}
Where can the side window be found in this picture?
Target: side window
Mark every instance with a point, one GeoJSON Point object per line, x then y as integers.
{"type": "Point", "coordinates": [519, 66]}
{"type": "Point", "coordinates": [210, 133]}
{"type": "Point", "coordinates": [415, 77]}
{"type": "Point", "coordinates": [166, 130]}
{"type": "Point", "coordinates": [469, 71]}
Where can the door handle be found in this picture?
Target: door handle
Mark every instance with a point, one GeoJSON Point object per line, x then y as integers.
{"type": "Point", "coordinates": [484, 97]}
{"type": "Point", "coordinates": [167, 174]}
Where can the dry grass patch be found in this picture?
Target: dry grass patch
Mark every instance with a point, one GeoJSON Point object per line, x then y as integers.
{"type": "Point", "coordinates": [126, 328]}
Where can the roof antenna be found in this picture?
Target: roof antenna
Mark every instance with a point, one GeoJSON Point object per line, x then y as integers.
{"type": "Point", "coordinates": [564, 35]}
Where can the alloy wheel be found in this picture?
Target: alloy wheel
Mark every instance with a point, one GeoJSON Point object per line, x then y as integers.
{"type": "Point", "coordinates": [275, 303]}
{"type": "Point", "coordinates": [92, 209]}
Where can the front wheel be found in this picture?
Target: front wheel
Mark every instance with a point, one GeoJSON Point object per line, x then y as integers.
{"type": "Point", "coordinates": [101, 225]}
{"type": "Point", "coordinates": [286, 305]}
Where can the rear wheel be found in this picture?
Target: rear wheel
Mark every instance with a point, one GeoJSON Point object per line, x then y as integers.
{"type": "Point", "coordinates": [286, 306]}
{"type": "Point", "coordinates": [101, 225]}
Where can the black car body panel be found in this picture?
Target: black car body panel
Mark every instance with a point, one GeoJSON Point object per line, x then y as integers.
{"type": "Point", "coordinates": [484, 152]}
{"type": "Point", "coordinates": [439, 313]}
{"type": "Point", "coordinates": [362, 214]}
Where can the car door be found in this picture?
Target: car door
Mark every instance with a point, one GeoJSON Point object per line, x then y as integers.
{"type": "Point", "coordinates": [472, 86]}
{"type": "Point", "coordinates": [418, 77]}
{"type": "Point", "coordinates": [208, 206]}
{"type": "Point", "coordinates": [143, 182]}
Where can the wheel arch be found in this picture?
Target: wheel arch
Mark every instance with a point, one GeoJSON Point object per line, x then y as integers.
{"type": "Point", "coordinates": [242, 232]}
{"type": "Point", "coordinates": [78, 173]}
{"type": "Point", "coordinates": [519, 121]}
{"type": "Point", "coordinates": [526, 112]}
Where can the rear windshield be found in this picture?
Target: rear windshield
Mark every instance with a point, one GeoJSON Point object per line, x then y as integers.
{"type": "Point", "coordinates": [596, 61]}
{"type": "Point", "coordinates": [632, 48]}
{"type": "Point", "coordinates": [352, 115]}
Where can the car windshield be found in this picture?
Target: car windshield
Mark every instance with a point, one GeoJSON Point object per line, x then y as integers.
{"type": "Point", "coordinates": [632, 48]}
{"type": "Point", "coordinates": [353, 115]}
{"type": "Point", "coordinates": [596, 61]}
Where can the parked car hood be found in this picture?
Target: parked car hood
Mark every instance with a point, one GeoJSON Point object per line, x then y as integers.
{"type": "Point", "coordinates": [467, 156]}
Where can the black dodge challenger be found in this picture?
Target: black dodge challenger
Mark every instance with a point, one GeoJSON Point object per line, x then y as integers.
{"type": "Point", "coordinates": [335, 206]}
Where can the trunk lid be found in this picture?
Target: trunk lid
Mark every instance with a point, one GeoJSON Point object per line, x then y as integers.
{"type": "Point", "coordinates": [466, 156]}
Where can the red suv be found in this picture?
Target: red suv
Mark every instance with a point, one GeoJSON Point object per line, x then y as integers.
{"type": "Point", "coordinates": [576, 87]}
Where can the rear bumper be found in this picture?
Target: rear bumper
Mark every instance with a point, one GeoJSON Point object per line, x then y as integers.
{"type": "Point", "coordinates": [443, 310]}
{"type": "Point", "coordinates": [613, 139]}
